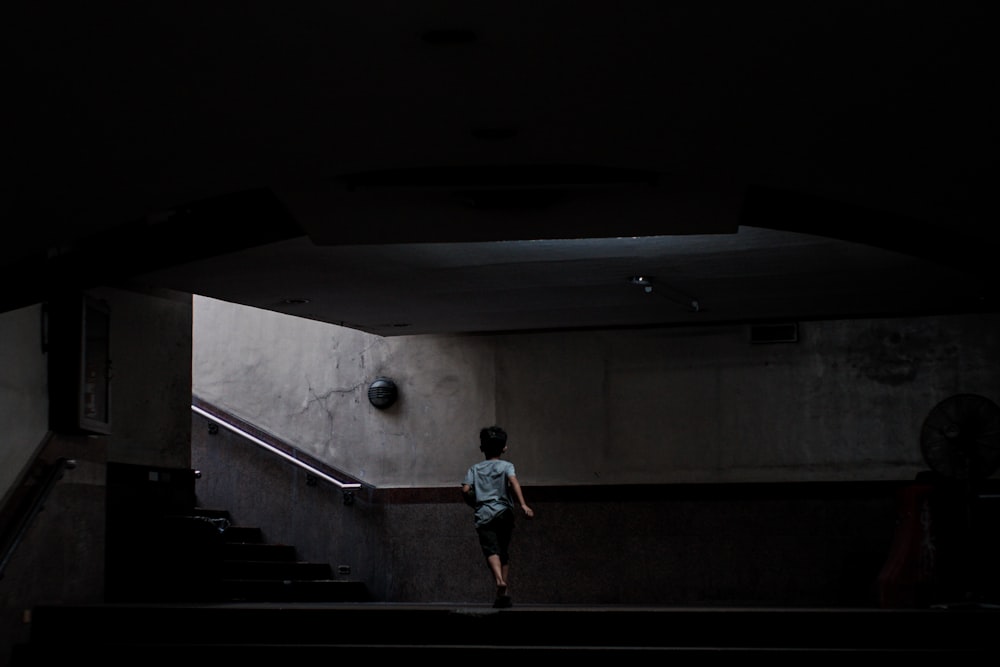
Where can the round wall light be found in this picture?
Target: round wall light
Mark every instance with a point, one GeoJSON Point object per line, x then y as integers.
{"type": "Point", "coordinates": [382, 392]}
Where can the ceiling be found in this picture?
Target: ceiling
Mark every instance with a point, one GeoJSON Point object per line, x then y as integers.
{"type": "Point", "coordinates": [457, 167]}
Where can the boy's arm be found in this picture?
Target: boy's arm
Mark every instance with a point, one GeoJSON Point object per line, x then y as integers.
{"type": "Point", "coordinates": [515, 486]}
{"type": "Point", "coordinates": [468, 496]}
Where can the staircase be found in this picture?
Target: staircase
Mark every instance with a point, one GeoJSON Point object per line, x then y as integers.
{"type": "Point", "coordinates": [373, 633]}
{"type": "Point", "coordinates": [163, 548]}
{"type": "Point", "coordinates": [204, 557]}
{"type": "Point", "coordinates": [186, 585]}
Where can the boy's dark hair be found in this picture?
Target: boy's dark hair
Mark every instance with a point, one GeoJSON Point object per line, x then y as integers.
{"type": "Point", "coordinates": [492, 440]}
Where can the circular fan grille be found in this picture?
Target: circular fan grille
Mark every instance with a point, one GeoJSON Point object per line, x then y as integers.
{"type": "Point", "coordinates": [382, 393]}
{"type": "Point", "coordinates": [960, 437]}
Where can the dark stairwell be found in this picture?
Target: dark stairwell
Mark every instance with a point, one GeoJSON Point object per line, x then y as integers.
{"type": "Point", "coordinates": [187, 583]}
{"type": "Point", "coordinates": [163, 547]}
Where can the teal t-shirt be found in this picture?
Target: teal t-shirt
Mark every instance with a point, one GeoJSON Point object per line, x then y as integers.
{"type": "Point", "coordinates": [488, 480]}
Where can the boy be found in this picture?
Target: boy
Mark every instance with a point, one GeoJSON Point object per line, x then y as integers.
{"type": "Point", "coordinates": [487, 487]}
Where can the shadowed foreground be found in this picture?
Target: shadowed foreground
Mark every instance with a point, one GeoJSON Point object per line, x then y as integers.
{"type": "Point", "coordinates": [204, 634]}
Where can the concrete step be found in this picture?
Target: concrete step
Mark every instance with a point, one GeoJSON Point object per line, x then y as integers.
{"type": "Point", "coordinates": [293, 590]}
{"type": "Point", "coordinates": [641, 635]}
{"type": "Point", "coordinates": [275, 569]}
{"type": "Point", "coordinates": [198, 555]}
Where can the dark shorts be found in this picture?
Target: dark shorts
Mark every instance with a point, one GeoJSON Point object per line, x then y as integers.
{"type": "Point", "coordinates": [494, 537]}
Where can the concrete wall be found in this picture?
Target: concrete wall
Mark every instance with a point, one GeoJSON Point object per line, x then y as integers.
{"type": "Point", "coordinates": [62, 556]}
{"type": "Point", "coordinates": [675, 466]}
{"type": "Point", "coordinates": [151, 386]}
{"type": "Point", "coordinates": [151, 383]}
{"type": "Point", "coordinates": [761, 544]}
{"type": "Point", "coordinates": [308, 383]}
{"type": "Point", "coordinates": [24, 403]}
{"type": "Point", "coordinates": [686, 405]}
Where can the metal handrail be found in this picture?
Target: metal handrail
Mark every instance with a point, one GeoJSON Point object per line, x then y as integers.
{"type": "Point", "coordinates": [34, 505]}
{"type": "Point", "coordinates": [257, 441]}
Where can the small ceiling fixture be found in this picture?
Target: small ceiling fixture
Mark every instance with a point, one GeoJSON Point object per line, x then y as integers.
{"type": "Point", "coordinates": [667, 292]}
{"type": "Point", "coordinates": [645, 282]}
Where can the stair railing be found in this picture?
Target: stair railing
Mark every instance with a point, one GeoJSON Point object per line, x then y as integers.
{"type": "Point", "coordinates": [346, 487]}
{"type": "Point", "coordinates": [29, 507]}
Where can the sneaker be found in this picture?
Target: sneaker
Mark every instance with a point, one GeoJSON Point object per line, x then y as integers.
{"type": "Point", "coordinates": [502, 602]}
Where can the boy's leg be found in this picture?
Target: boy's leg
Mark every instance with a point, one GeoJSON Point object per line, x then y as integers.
{"type": "Point", "coordinates": [505, 531]}
{"type": "Point", "coordinates": [489, 542]}
{"type": "Point", "coordinates": [503, 592]}
{"type": "Point", "coordinates": [505, 572]}
{"type": "Point", "coordinates": [493, 561]}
